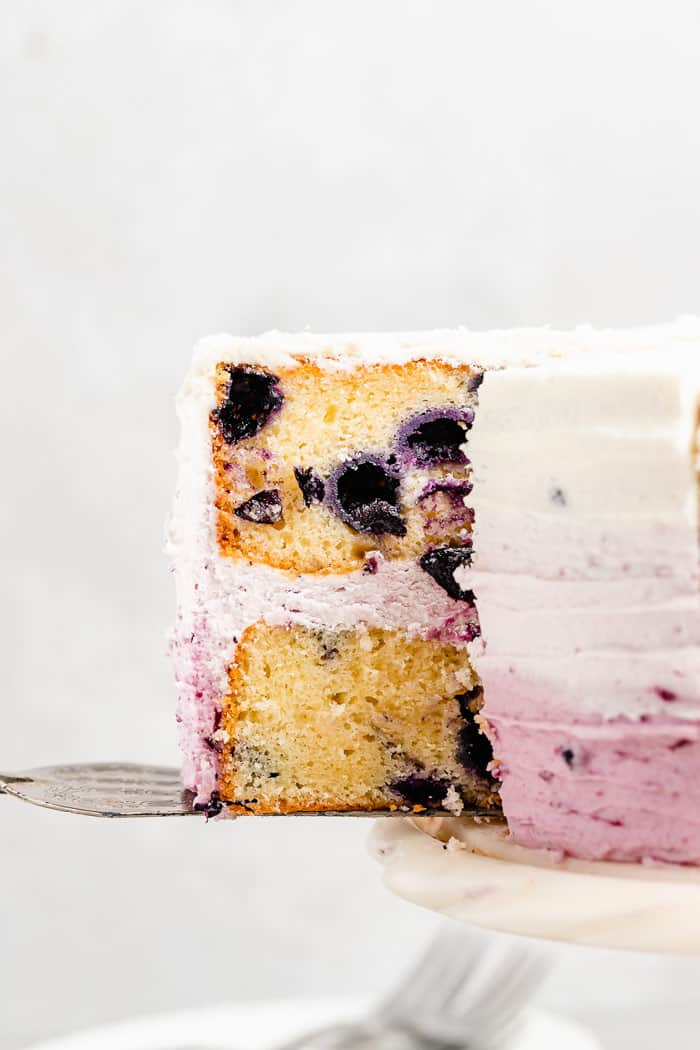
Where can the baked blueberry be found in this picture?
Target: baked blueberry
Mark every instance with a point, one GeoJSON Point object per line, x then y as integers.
{"type": "Point", "coordinates": [418, 790]}
{"type": "Point", "coordinates": [474, 749]}
{"type": "Point", "coordinates": [454, 490]}
{"type": "Point", "coordinates": [469, 701]}
{"type": "Point", "coordinates": [264, 508]}
{"type": "Point", "coordinates": [441, 562]}
{"type": "Point", "coordinates": [328, 644]}
{"type": "Point", "coordinates": [435, 437]}
{"type": "Point", "coordinates": [311, 485]}
{"type": "Point", "coordinates": [251, 398]}
{"type": "Point", "coordinates": [364, 493]}
{"type": "Point", "coordinates": [443, 506]}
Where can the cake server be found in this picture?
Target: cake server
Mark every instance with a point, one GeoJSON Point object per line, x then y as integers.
{"type": "Point", "coordinates": [124, 789]}
{"type": "Point", "coordinates": [103, 789]}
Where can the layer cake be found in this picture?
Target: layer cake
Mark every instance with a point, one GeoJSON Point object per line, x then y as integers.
{"type": "Point", "coordinates": [431, 571]}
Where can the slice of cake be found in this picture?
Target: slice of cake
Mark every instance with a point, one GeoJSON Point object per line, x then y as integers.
{"type": "Point", "coordinates": [446, 570]}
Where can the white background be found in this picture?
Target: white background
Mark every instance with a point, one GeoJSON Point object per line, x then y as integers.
{"type": "Point", "coordinates": [170, 168]}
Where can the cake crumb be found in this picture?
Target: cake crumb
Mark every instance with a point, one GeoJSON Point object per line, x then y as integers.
{"type": "Point", "coordinates": [453, 802]}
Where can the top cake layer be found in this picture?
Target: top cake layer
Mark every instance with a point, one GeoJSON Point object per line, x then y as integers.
{"type": "Point", "coordinates": [606, 402]}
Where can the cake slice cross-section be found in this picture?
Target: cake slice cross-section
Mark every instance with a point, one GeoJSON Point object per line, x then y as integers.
{"type": "Point", "coordinates": [429, 572]}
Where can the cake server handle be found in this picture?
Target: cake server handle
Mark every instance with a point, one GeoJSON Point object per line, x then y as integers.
{"type": "Point", "coordinates": [103, 789]}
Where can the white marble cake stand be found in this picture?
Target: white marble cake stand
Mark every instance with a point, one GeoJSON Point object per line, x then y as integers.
{"type": "Point", "coordinates": [472, 873]}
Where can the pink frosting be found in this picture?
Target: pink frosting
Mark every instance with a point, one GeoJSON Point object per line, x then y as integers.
{"type": "Point", "coordinates": [198, 705]}
{"type": "Point", "coordinates": [606, 790]}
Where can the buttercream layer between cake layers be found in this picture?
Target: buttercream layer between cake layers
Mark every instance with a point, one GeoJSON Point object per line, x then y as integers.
{"type": "Point", "coordinates": [585, 571]}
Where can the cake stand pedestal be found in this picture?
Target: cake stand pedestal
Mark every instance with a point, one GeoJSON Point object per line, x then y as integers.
{"type": "Point", "coordinates": [472, 873]}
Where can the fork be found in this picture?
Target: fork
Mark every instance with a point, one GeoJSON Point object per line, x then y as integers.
{"type": "Point", "coordinates": [464, 992]}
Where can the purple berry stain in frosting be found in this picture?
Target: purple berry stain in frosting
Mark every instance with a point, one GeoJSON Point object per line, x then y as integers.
{"type": "Point", "coordinates": [418, 790]}
{"type": "Point", "coordinates": [364, 493]}
{"type": "Point", "coordinates": [435, 437]}
{"type": "Point", "coordinates": [212, 808]}
{"type": "Point", "coordinates": [667, 695]}
{"type": "Point", "coordinates": [252, 397]}
{"type": "Point", "coordinates": [264, 508]}
{"type": "Point", "coordinates": [311, 485]}
{"type": "Point", "coordinates": [569, 756]}
{"type": "Point", "coordinates": [441, 563]}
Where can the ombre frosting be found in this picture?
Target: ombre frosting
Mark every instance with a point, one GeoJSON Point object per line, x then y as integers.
{"type": "Point", "coordinates": [586, 575]}
{"type": "Point", "coordinates": [585, 570]}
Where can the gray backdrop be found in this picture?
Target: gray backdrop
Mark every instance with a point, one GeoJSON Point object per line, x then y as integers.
{"type": "Point", "coordinates": [175, 167]}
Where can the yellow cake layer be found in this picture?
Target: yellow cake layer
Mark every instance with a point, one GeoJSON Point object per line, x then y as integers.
{"type": "Point", "coordinates": [328, 416]}
{"type": "Point", "coordinates": [319, 720]}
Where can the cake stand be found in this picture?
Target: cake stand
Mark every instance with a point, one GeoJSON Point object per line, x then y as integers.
{"type": "Point", "coordinates": [471, 872]}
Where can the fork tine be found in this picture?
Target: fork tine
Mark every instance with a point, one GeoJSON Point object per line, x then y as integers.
{"type": "Point", "coordinates": [494, 1009]}
{"type": "Point", "coordinates": [417, 975]}
{"type": "Point", "coordinates": [502, 999]}
{"type": "Point", "coordinates": [434, 966]}
{"type": "Point", "coordinates": [418, 987]}
{"type": "Point", "coordinates": [456, 979]}
{"type": "Point", "coordinates": [491, 1002]}
{"type": "Point", "coordinates": [488, 961]}
{"type": "Point", "coordinates": [512, 984]}
{"type": "Point", "coordinates": [498, 1030]}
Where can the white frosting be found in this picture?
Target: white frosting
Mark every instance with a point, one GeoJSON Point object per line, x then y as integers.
{"type": "Point", "coordinates": [476, 875]}
{"type": "Point", "coordinates": [399, 595]}
{"type": "Point", "coordinates": [495, 349]}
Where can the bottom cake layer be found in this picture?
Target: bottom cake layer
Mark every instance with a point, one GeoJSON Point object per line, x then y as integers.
{"type": "Point", "coordinates": [360, 719]}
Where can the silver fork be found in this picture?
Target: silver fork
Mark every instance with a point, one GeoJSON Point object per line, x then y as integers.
{"type": "Point", "coordinates": [464, 992]}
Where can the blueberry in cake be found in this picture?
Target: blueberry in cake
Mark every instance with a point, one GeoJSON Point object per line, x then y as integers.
{"type": "Point", "coordinates": [423, 572]}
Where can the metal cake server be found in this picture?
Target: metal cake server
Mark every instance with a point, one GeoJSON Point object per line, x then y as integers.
{"type": "Point", "coordinates": [103, 789]}
{"type": "Point", "coordinates": [124, 789]}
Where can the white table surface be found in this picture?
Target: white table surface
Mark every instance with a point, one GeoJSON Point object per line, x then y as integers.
{"type": "Point", "coordinates": [177, 167]}
{"type": "Point", "coordinates": [260, 1026]}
